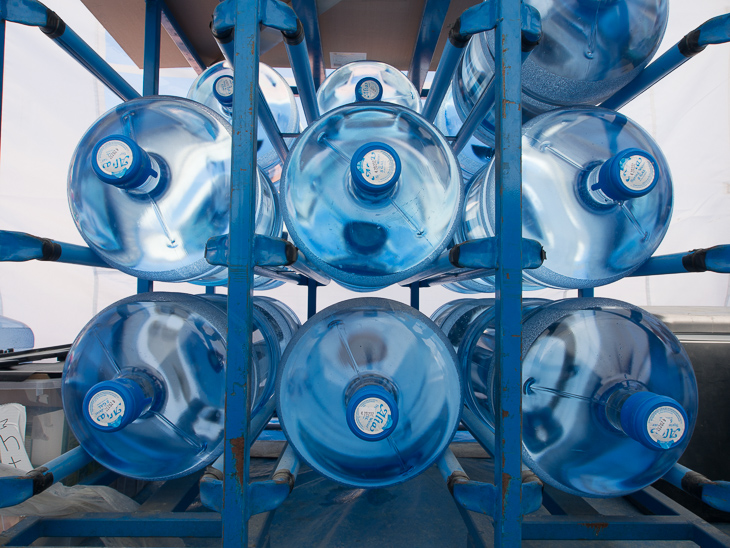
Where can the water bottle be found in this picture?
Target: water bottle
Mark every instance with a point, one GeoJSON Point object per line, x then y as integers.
{"type": "Point", "coordinates": [214, 88]}
{"type": "Point", "coordinates": [475, 154]}
{"type": "Point", "coordinates": [609, 398]}
{"type": "Point", "coordinates": [588, 51]}
{"type": "Point", "coordinates": [149, 184]}
{"type": "Point", "coordinates": [596, 193]}
{"type": "Point", "coordinates": [371, 194]}
{"type": "Point", "coordinates": [368, 392]}
{"type": "Point", "coordinates": [144, 382]}
{"type": "Point", "coordinates": [15, 335]}
{"type": "Point", "coordinates": [367, 81]}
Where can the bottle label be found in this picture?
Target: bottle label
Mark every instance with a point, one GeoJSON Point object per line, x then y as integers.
{"type": "Point", "coordinates": [665, 426]}
{"type": "Point", "coordinates": [373, 416]}
{"type": "Point", "coordinates": [106, 408]}
{"type": "Point", "coordinates": [377, 167]}
{"type": "Point", "coordinates": [224, 86]}
{"type": "Point", "coordinates": [114, 158]}
{"type": "Point", "coordinates": [636, 172]}
{"type": "Point", "coordinates": [369, 90]}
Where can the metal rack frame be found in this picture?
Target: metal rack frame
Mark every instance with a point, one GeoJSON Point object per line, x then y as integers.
{"type": "Point", "coordinates": [508, 497]}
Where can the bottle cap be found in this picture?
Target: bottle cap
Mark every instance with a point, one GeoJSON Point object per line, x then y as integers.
{"type": "Point", "coordinates": [368, 89]}
{"type": "Point", "coordinates": [375, 168]}
{"type": "Point", "coordinates": [111, 405]}
{"type": "Point", "coordinates": [372, 413]}
{"type": "Point", "coordinates": [658, 422]}
{"type": "Point", "coordinates": [223, 90]}
{"type": "Point", "coordinates": [631, 173]}
{"type": "Point", "coordinates": [119, 161]}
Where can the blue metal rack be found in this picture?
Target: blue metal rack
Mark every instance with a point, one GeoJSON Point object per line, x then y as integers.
{"type": "Point", "coordinates": [513, 494]}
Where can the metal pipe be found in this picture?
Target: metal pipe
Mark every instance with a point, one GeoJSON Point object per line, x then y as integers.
{"type": "Point", "coordinates": [266, 118]}
{"type": "Point", "coordinates": [714, 493]}
{"type": "Point", "coordinates": [152, 34]}
{"type": "Point", "coordinates": [296, 49]}
{"type": "Point", "coordinates": [20, 247]}
{"type": "Point", "coordinates": [453, 50]}
{"type": "Point", "coordinates": [17, 489]}
{"type": "Point", "coordinates": [178, 36]}
{"type": "Point", "coordinates": [713, 31]}
{"type": "Point", "coordinates": [713, 259]}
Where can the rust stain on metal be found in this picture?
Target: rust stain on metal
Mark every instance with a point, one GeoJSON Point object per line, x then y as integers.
{"type": "Point", "coordinates": [238, 445]}
{"type": "Point", "coordinates": [596, 527]}
{"type": "Point", "coordinates": [506, 478]}
{"type": "Point", "coordinates": [505, 414]}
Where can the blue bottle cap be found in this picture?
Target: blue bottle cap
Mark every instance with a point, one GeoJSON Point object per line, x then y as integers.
{"type": "Point", "coordinates": [368, 89]}
{"type": "Point", "coordinates": [372, 413]}
{"type": "Point", "coordinates": [119, 161]}
{"type": "Point", "coordinates": [223, 90]}
{"type": "Point", "coordinates": [658, 422]}
{"type": "Point", "coordinates": [375, 167]}
{"type": "Point", "coordinates": [111, 405]}
{"type": "Point", "coordinates": [631, 173]}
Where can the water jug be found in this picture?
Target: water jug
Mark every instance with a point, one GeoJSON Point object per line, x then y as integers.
{"type": "Point", "coordinates": [367, 81]}
{"type": "Point", "coordinates": [609, 398]}
{"type": "Point", "coordinates": [589, 50]}
{"type": "Point", "coordinates": [214, 88]}
{"type": "Point", "coordinates": [15, 335]}
{"type": "Point", "coordinates": [144, 382]}
{"type": "Point", "coordinates": [149, 184]}
{"type": "Point", "coordinates": [371, 194]}
{"type": "Point", "coordinates": [596, 193]}
{"type": "Point", "coordinates": [368, 392]}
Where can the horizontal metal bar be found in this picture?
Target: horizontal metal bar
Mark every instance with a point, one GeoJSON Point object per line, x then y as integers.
{"type": "Point", "coordinates": [714, 259]}
{"type": "Point", "coordinates": [713, 493]}
{"type": "Point", "coordinates": [17, 489]}
{"type": "Point", "coordinates": [267, 251]}
{"type": "Point", "coordinates": [20, 247]}
{"type": "Point", "coordinates": [714, 31]}
{"type": "Point", "coordinates": [269, 495]}
{"type": "Point", "coordinates": [158, 524]}
{"type": "Point", "coordinates": [606, 528]}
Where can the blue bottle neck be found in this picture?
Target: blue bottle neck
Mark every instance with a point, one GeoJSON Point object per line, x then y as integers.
{"type": "Point", "coordinates": [629, 174]}
{"type": "Point", "coordinates": [371, 407]}
{"type": "Point", "coordinates": [119, 161]}
{"type": "Point", "coordinates": [111, 405]}
{"type": "Point", "coordinates": [375, 169]}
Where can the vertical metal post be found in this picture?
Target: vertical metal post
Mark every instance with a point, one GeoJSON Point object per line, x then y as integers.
{"type": "Point", "coordinates": [2, 68]}
{"type": "Point", "coordinates": [311, 297]}
{"type": "Point", "coordinates": [588, 292]}
{"type": "Point", "coordinates": [415, 295]}
{"type": "Point", "coordinates": [152, 32]}
{"type": "Point", "coordinates": [508, 463]}
{"type": "Point", "coordinates": [210, 290]}
{"type": "Point", "coordinates": [240, 275]}
{"type": "Point", "coordinates": [151, 76]}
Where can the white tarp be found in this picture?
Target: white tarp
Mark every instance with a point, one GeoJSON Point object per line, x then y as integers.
{"type": "Point", "coordinates": [49, 102]}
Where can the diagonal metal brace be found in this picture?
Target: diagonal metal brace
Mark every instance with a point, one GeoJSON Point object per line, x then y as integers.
{"type": "Point", "coordinates": [482, 253]}
{"type": "Point", "coordinates": [267, 251]}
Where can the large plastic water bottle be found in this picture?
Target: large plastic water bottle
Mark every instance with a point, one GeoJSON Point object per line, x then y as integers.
{"type": "Point", "coordinates": [15, 335]}
{"type": "Point", "coordinates": [149, 184]}
{"type": "Point", "coordinates": [371, 194]}
{"type": "Point", "coordinates": [367, 81]}
{"type": "Point", "coordinates": [588, 51]}
{"type": "Point", "coordinates": [609, 399]}
{"type": "Point", "coordinates": [596, 193]}
{"type": "Point", "coordinates": [214, 88]}
{"type": "Point", "coordinates": [144, 382]}
{"type": "Point", "coordinates": [368, 392]}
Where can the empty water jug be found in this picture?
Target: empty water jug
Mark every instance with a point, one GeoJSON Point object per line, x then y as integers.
{"type": "Point", "coordinates": [368, 392]}
{"type": "Point", "coordinates": [588, 51]}
{"type": "Point", "coordinates": [371, 194]}
{"type": "Point", "coordinates": [367, 81]}
{"type": "Point", "coordinates": [144, 382]}
{"type": "Point", "coordinates": [15, 335]}
{"type": "Point", "coordinates": [149, 184]}
{"type": "Point", "coordinates": [596, 193]}
{"type": "Point", "coordinates": [214, 88]}
{"type": "Point", "coordinates": [609, 398]}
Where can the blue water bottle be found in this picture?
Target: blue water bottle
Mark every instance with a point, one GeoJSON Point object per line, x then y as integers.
{"type": "Point", "coordinates": [588, 51]}
{"type": "Point", "coordinates": [609, 398]}
{"type": "Point", "coordinates": [15, 335]}
{"type": "Point", "coordinates": [596, 193]}
{"type": "Point", "coordinates": [149, 184]}
{"type": "Point", "coordinates": [371, 194]}
{"type": "Point", "coordinates": [367, 81]}
{"type": "Point", "coordinates": [368, 392]}
{"type": "Point", "coordinates": [144, 382]}
{"type": "Point", "coordinates": [214, 88]}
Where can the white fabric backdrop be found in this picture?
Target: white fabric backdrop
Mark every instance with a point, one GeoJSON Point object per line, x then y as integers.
{"type": "Point", "coordinates": [49, 101]}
